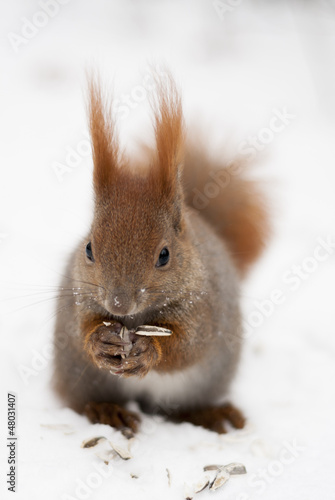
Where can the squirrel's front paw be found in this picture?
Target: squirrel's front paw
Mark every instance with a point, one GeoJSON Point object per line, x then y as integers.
{"type": "Point", "coordinates": [106, 346]}
{"type": "Point", "coordinates": [142, 357]}
{"type": "Point", "coordinates": [124, 354]}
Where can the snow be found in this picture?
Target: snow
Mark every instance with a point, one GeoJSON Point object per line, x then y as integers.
{"type": "Point", "coordinates": [260, 61]}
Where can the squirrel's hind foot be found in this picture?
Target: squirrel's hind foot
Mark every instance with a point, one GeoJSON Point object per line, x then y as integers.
{"type": "Point", "coordinates": [213, 417]}
{"type": "Point", "coordinates": [114, 415]}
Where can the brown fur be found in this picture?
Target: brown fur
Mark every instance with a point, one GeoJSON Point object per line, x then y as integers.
{"type": "Point", "coordinates": [106, 153]}
{"type": "Point", "coordinates": [169, 132]}
{"type": "Point", "coordinates": [113, 415]}
{"type": "Point", "coordinates": [213, 418]}
{"type": "Point", "coordinates": [239, 213]}
{"type": "Point", "coordinates": [195, 294]}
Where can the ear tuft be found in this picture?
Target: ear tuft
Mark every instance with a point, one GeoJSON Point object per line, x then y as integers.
{"type": "Point", "coordinates": [169, 131]}
{"type": "Point", "coordinates": [106, 154]}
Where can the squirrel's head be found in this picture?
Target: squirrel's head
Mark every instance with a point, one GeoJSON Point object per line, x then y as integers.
{"type": "Point", "coordinates": [137, 249]}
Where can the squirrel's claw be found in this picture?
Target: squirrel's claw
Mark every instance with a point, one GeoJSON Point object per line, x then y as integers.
{"type": "Point", "coordinates": [139, 361]}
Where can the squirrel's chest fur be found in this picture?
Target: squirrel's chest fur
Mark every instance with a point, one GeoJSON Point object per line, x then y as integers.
{"type": "Point", "coordinates": [167, 390]}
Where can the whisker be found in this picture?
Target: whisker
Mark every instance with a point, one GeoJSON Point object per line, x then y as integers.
{"type": "Point", "coordinates": [80, 376]}
{"type": "Point", "coordinates": [46, 292]}
{"type": "Point", "coordinates": [80, 281]}
{"type": "Point", "coordinates": [53, 315]}
{"type": "Point", "coordinates": [47, 299]}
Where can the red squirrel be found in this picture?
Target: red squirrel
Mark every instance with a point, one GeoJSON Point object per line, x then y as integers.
{"type": "Point", "coordinates": [153, 258]}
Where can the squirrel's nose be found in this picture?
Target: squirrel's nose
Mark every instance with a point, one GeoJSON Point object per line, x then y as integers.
{"type": "Point", "coordinates": [120, 304]}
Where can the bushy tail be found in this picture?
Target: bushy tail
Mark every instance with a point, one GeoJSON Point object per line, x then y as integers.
{"type": "Point", "coordinates": [229, 200]}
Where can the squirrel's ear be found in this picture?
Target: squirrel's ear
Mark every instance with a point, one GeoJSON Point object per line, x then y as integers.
{"type": "Point", "coordinates": [106, 154]}
{"type": "Point", "coordinates": [169, 133]}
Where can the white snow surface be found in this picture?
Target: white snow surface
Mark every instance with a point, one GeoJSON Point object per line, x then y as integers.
{"type": "Point", "coordinates": [237, 71]}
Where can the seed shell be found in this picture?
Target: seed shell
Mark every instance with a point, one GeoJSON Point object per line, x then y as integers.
{"type": "Point", "coordinates": [89, 443]}
{"type": "Point", "coordinates": [121, 452]}
{"type": "Point", "coordinates": [220, 479]}
{"type": "Point", "coordinates": [235, 469]}
{"type": "Point", "coordinates": [201, 485]}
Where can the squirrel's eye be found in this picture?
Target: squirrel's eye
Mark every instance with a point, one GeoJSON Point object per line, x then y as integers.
{"type": "Point", "coordinates": [163, 258]}
{"type": "Point", "coordinates": [89, 253]}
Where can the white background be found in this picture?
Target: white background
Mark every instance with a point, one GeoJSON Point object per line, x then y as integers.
{"type": "Point", "coordinates": [234, 70]}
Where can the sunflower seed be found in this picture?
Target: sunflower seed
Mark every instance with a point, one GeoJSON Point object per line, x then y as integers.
{"type": "Point", "coordinates": [212, 467]}
{"type": "Point", "coordinates": [124, 334]}
{"type": "Point", "coordinates": [188, 494]}
{"type": "Point", "coordinates": [235, 469]}
{"type": "Point", "coordinates": [89, 443]}
{"type": "Point", "coordinates": [121, 452]}
{"type": "Point", "coordinates": [107, 323]}
{"type": "Point", "coordinates": [67, 429]}
{"type": "Point", "coordinates": [168, 473]}
{"type": "Point", "coordinates": [152, 330]}
{"type": "Point", "coordinates": [220, 479]}
{"type": "Point", "coordinates": [105, 455]}
{"type": "Point", "coordinates": [201, 485]}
